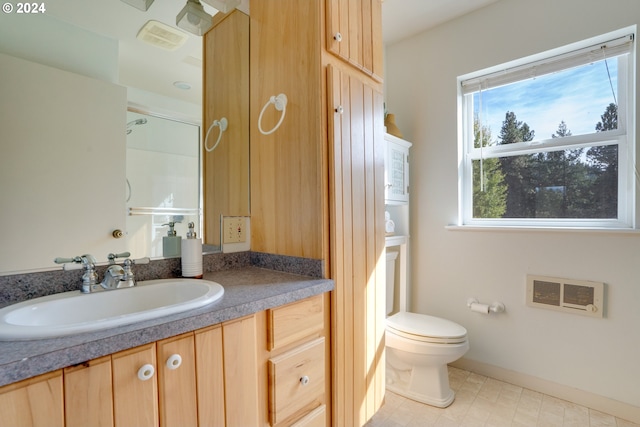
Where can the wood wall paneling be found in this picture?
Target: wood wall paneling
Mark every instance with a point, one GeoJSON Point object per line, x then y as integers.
{"type": "Point", "coordinates": [287, 175]}
{"type": "Point", "coordinates": [226, 94]}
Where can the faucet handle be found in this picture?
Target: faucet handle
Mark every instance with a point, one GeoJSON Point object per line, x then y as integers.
{"type": "Point", "coordinates": [112, 257]}
{"type": "Point", "coordinates": [76, 263]}
{"type": "Point", "coordinates": [67, 260]}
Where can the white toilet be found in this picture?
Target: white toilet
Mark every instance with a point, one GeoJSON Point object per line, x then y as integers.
{"type": "Point", "coordinates": [418, 349]}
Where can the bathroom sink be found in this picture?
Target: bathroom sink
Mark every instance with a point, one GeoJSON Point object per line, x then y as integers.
{"type": "Point", "coordinates": [73, 312]}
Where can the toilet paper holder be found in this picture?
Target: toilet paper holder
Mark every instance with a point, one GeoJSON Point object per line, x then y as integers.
{"type": "Point", "coordinates": [495, 307]}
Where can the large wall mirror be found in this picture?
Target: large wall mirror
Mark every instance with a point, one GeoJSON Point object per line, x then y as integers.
{"type": "Point", "coordinates": [74, 168]}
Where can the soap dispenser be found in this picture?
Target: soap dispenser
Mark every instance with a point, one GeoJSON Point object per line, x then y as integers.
{"type": "Point", "coordinates": [192, 254]}
{"type": "Point", "coordinates": [171, 243]}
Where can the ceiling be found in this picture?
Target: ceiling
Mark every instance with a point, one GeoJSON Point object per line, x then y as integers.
{"type": "Point", "coordinates": [405, 18]}
{"type": "Point", "coordinates": [155, 70]}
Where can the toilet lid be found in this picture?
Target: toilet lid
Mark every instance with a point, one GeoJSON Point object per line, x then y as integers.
{"type": "Point", "coordinates": [427, 328]}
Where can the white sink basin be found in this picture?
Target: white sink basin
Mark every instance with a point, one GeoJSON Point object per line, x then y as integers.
{"type": "Point", "coordinates": [73, 312]}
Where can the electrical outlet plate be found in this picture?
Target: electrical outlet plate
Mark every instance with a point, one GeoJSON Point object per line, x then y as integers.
{"type": "Point", "coordinates": [233, 229]}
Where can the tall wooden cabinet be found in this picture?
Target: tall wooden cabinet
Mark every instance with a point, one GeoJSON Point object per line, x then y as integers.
{"type": "Point", "coordinates": [317, 182]}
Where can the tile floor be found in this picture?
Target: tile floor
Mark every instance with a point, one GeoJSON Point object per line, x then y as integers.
{"type": "Point", "coordinates": [483, 401]}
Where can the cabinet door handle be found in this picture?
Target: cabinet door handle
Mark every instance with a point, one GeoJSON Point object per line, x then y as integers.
{"type": "Point", "coordinates": [339, 109]}
{"type": "Point", "coordinates": [174, 361]}
{"type": "Point", "coordinates": [146, 372]}
{"type": "Point", "coordinates": [337, 37]}
{"type": "Point", "coordinates": [304, 380]}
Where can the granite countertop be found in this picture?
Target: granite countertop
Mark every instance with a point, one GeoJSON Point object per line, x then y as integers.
{"type": "Point", "coordinates": [247, 290]}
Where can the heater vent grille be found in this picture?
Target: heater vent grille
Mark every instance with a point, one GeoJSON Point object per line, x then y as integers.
{"type": "Point", "coordinates": [162, 35]}
{"type": "Point", "coordinates": [571, 296]}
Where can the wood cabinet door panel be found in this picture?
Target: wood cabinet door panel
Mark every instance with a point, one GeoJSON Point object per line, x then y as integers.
{"type": "Point", "coordinates": [88, 394]}
{"type": "Point", "coordinates": [210, 377]}
{"type": "Point", "coordinates": [177, 381]}
{"type": "Point", "coordinates": [36, 402]}
{"type": "Point", "coordinates": [241, 372]}
{"type": "Point", "coordinates": [135, 401]}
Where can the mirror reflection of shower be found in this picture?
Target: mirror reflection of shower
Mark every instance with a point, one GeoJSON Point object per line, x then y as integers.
{"type": "Point", "coordinates": [162, 180]}
{"type": "Point", "coordinates": [135, 123]}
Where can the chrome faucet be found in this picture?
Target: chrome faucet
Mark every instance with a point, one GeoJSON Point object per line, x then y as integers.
{"type": "Point", "coordinates": [115, 277]}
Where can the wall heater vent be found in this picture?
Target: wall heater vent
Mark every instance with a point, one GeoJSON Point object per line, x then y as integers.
{"type": "Point", "coordinates": [568, 295]}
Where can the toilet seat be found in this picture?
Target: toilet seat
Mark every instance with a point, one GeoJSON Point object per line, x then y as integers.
{"type": "Point", "coordinates": [425, 328]}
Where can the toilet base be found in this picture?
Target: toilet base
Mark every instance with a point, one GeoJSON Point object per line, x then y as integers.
{"type": "Point", "coordinates": [428, 385]}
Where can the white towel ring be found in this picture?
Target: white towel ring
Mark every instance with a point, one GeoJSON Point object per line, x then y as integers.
{"type": "Point", "coordinates": [222, 124]}
{"type": "Point", "coordinates": [280, 103]}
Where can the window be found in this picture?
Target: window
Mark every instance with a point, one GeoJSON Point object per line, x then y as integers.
{"type": "Point", "coordinates": [549, 142]}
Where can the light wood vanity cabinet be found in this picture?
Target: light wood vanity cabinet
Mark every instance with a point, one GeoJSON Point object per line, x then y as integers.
{"type": "Point", "coordinates": [215, 376]}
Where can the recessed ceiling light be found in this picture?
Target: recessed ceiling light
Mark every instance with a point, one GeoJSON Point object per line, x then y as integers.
{"type": "Point", "coordinates": [182, 85]}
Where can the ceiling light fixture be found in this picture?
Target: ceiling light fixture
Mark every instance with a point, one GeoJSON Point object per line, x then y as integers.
{"type": "Point", "coordinates": [193, 18]}
{"type": "Point", "coordinates": [182, 85]}
{"type": "Point", "coordinates": [143, 5]}
{"type": "Point", "coordinates": [224, 6]}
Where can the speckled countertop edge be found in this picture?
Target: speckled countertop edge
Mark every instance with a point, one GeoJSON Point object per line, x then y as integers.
{"type": "Point", "coordinates": [248, 290]}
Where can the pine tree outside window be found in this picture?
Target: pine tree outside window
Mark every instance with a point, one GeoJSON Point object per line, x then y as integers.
{"type": "Point", "coordinates": [550, 142]}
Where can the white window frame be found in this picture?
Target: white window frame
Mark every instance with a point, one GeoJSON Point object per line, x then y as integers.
{"type": "Point", "coordinates": [624, 137]}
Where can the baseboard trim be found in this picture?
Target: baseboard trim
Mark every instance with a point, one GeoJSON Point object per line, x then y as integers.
{"type": "Point", "coordinates": [599, 403]}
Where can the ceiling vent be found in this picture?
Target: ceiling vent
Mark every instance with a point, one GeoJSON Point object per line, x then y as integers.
{"type": "Point", "coordinates": [162, 35]}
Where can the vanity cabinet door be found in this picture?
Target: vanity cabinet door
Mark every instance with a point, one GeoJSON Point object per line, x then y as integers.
{"type": "Point", "coordinates": [241, 379]}
{"type": "Point", "coordinates": [33, 403]}
{"type": "Point", "coordinates": [177, 381]}
{"type": "Point", "coordinates": [135, 389]}
{"type": "Point", "coordinates": [88, 394]}
{"type": "Point", "coordinates": [210, 377]}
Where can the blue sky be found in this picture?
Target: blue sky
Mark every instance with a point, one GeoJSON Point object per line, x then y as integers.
{"type": "Point", "coordinates": [578, 96]}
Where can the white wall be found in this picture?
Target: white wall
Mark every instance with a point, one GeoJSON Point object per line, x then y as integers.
{"type": "Point", "coordinates": [600, 356]}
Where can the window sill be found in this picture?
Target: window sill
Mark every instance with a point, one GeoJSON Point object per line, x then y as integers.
{"type": "Point", "coordinates": [520, 228]}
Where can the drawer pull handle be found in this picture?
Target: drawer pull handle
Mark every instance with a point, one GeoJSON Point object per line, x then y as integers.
{"type": "Point", "coordinates": [146, 372]}
{"type": "Point", "coordinates": [304, 380]}
{"type": "Point", "coordinates": [174, 361]}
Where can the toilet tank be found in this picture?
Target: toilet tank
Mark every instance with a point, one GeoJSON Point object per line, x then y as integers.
{"type": "Point", "coordinates": [391, 278]}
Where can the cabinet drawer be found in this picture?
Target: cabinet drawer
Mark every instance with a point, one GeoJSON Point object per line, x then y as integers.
{"type": "Point", "coordinates": [315, 418]}
{"type": "Point", "coordinates": [295, 321]}
{"type": "Point", "coordinates": [296, 380]}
